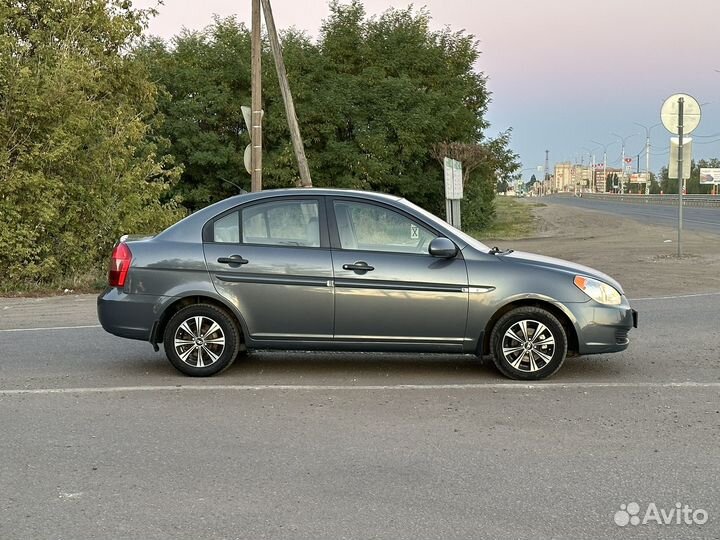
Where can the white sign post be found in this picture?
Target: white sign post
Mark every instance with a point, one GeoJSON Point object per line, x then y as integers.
{"type": "Point", "coordinates": [453, 191]}
{"type": "Point", "coordinates": [687, 157]}
{"type": "Point", "coordinates": [680, 114]}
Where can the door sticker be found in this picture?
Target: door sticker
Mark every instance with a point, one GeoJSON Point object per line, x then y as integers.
{"type": "Point", "coordinates": [414, 232]}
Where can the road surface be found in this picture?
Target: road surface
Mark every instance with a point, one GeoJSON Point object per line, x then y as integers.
{"type": "Point", "coordinates": [101, 438]}
{"type": "Point", "coordinates": [696, 219]}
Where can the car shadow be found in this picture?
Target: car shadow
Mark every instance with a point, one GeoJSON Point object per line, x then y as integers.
{"type": "Point", "coordinates": [317, 368]}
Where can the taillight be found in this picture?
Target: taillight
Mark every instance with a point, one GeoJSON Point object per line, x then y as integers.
{"type": "Point", "coordinates": [119, 265]}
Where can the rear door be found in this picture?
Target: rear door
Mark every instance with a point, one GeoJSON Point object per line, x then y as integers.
{"type": "Point", "coordinates": [388, 289]}
{"type": "Point", "coordinates": [271, 258]}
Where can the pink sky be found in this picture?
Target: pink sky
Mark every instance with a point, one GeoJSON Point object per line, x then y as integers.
{"type": "Point", "coordinates": [562, 72]}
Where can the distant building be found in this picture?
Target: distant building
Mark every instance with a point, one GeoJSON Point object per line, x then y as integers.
{"type": "Point", "coordinates": [572, 177]}
{"type": "Point", "coordinates": [601, 178]}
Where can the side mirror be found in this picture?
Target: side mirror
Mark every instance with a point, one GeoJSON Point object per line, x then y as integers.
{"type": "Point", "coordinates": [443, 248]}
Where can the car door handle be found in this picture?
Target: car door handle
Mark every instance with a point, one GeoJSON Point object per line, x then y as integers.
{"type": "Point", "coordinates": [359, 266]}
{"type": "Point", "coordinates": [233, 260]}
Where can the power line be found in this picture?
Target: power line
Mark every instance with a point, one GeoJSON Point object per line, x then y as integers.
{"type": "Point", "coordinates": [706, 142]}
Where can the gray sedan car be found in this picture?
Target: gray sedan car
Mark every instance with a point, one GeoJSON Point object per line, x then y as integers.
{"type": "Point", "coordinates": [325, 269]}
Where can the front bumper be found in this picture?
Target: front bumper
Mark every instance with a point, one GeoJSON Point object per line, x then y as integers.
{"type": "Point", "coordinates": [128, 315]}
{"type": "Point", "coordinates": [603, 329]}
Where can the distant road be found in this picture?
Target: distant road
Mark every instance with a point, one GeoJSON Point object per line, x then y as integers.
{"type": "Point", "coordinates": [696, 219]}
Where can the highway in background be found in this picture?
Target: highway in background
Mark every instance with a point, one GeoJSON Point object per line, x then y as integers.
{"type": "Point", "coordinates": [696, 219]}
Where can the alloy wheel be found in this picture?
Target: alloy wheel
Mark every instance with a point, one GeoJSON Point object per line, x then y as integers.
{"type": "Point", "coordinates": [199, 341]}
{"type": "Point", "coordinates": [528, 345]}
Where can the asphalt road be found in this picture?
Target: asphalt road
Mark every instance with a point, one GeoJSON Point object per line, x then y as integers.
{"type": "Point", "coordinates": [102, 439]}
{"type": "Point", "coordinates": [696, 219]}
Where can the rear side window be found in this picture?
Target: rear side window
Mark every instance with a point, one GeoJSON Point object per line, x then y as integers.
{"type": "Point", "coordinates": [226, 230]}
{"type": "Point", "coordinates": [281, 223]}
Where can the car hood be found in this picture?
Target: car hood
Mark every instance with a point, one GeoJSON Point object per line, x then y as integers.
{"type": "Point", "coordinates": [552, 263]}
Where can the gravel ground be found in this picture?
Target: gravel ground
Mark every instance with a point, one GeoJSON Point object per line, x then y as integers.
{"type": "Point", "coordinates": [641, 256]}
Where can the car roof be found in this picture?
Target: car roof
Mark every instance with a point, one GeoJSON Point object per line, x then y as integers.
{"type": "Point", "coordinates": [189, 228]}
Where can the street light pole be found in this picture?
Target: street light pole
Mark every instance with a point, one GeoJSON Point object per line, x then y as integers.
{"type": "Point", "coordinates": [622, 162]}
{"type": "Point", "coordinates": [591, 170]}
{"type": "Point", "coordinates": [604, 147]}
{"type": "Point", "coordinates": [647, 153]}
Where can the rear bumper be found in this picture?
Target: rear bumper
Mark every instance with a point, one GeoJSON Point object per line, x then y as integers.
{"type": "Point", "coordinates": [128, 315]}
{"type": "Point", "coordinates": [604, 329]}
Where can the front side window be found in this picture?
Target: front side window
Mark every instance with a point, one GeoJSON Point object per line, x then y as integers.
{"type": "Point", "coordinates": [281, 223]}
{"type": "Point", "coordinates": [372, 227]}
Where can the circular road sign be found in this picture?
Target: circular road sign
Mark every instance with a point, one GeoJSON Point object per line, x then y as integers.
{"type": "Point", "coordinates": [670, 110]}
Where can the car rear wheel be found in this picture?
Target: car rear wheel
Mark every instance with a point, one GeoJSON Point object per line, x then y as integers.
{"type": "Point", "coordinates": [201, 340]}
{"type": "Point", "coordinates": [528, 343]}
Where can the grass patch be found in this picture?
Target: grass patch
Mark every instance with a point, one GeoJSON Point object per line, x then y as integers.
{"type": "Point", "coordinates": [513, 219]}
{"type": "Point", "coordinates": [90, 282]}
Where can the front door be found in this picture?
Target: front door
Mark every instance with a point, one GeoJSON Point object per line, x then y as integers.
{"type": "Point", "coordinates": [272, 261]}
{"type": "Point", "coordinates": [388, 288]}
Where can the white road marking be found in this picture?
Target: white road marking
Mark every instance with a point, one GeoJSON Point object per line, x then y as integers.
{"type": "Point", "coordinates": [674, 297]}
{"type": "Point", "coordinates": [366, 388]}
{"type": "Point", "coordinates": [49, 328]}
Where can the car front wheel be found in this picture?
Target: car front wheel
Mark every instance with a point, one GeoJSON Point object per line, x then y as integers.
{"type": "Point", "coordinates": [201, 340]}
{"type": "Point", "coordinates": [528, 343]}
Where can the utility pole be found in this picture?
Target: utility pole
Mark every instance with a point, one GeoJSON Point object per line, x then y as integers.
{"type": "Point", "coordinates": [305, 180]}
{"type": "Point", "coordinates": [547, 179]}
{"type": "Point", "coordinates": [256, 113]}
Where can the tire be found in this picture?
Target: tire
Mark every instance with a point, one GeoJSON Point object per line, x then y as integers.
{"type": "Point", "coordinates": [207, 352]}
{"type": "Point", "coordinates": [528, 343]}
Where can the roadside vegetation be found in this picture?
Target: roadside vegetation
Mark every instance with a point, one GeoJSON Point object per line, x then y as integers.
{"type": "Point", "coordinates": [514, 219]}
{"type": "Point", "coordinates": [106, 131]}
{"type": "Point", "coordinates": [78, 161]}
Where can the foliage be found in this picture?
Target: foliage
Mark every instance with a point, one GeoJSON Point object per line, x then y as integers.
{"type": "Point", "coordinates": [373, 96]}
{"type": "Point", "coordinates": [76, 169]}
{"type": "Point", "coordinates": [611, 180]}
{"type": "Point", "coordinates": [693, 186]}
{"type": "Point", "coordinates": [654, 185]}
{"type": "Point", "coordinates": [205, 79]}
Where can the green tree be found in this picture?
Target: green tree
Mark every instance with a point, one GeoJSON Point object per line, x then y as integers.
{"type": "Point", "coordinates": [373, 95]}
{"type": "Point", "coordinates": [611, 180]}
{"type": "Point", "coordinates": [75, 166]}
{"type": "Point", "coordinates": [205, 79]}
{"type": "Point", "coordinates": [692, 185]}
{"type": "Point", "coordinates": [654, 184]}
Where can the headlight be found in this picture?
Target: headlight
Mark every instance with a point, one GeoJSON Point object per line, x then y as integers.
{"type": "Point", "coordinates": [597, 290]}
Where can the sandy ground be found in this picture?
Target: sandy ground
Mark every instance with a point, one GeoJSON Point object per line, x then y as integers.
{"type": "Point", "coordinates": [636, 254]}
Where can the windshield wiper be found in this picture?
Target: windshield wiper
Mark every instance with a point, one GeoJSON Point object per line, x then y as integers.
{"type": "Point", "coordinates": [496, 250]}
